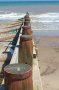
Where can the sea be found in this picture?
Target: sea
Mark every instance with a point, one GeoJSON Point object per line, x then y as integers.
{"type": "Point", "coordinates": [44, 15]}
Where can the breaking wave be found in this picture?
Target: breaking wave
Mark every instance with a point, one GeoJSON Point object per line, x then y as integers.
{"type": "Point", "coordinates": [47, 17]}
{"type": "Point", "coordinates": [10, 16]}
{"type": "Point", "coordinates": [46, 21]}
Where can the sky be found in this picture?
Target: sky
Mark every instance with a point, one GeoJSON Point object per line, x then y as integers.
{"type": "Point", "coordinates": [29, 0]}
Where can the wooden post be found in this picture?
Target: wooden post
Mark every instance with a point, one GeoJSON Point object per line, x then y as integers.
{"type": "Point", "coordinates": [27, 25]}
{"type": "Point", "coordinates": [26, 49]}
{"type": "Point", "coordinates": [26, 44]}
{"type": "Point", "coordinates": [18, 77]}
{"type": "Point", "coordinates": [26, 30]}
{"type": "Point", "coordinates": [27, 19]}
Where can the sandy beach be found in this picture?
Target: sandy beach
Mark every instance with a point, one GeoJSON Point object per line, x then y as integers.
{"type": "Point", "coordinates": [44, 17]}
{"type": "Point", "coordinates": [48, 57]}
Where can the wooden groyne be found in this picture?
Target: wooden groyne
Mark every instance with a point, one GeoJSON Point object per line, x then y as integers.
{"type": "Point", "coordinates": [26, 44]}
{"type": "Point", "coordinates": [25, 52]}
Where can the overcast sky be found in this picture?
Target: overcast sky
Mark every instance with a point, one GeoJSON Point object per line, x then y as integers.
{"type": "Point", "coordinates": [29, 0]}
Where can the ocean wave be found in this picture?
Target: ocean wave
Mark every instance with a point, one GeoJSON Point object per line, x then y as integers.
{"type": "Point", "coordinates": [46, 17]}
{"type": "Point", "coordinates": [11, 16]}
{"type": "Point", "coordinates": [46, 21]}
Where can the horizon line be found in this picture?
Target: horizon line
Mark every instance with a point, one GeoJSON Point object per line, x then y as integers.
{"type": "Point", "coordinates": [27, 1]}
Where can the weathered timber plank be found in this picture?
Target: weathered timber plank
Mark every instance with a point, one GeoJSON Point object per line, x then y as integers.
{"type": "Point", "coordinates": [37, 83]}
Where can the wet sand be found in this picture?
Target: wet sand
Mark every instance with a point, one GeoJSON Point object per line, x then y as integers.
{"type": "Point", "coordinates": [48, 56]}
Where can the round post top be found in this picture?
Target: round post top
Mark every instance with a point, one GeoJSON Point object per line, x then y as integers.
{"type": "Point", "coordinates": [26, 37]}
{"type": "Point", "coordinates": [18, 71]}
{"type": "Point", "coordinates": [26, 27]}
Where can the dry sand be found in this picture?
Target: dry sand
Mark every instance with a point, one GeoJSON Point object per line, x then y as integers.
{"type": "Point", "coordinates": [48, 56]}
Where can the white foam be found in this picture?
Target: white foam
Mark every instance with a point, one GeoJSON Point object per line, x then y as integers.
{"type": "Point", "coordinates": [44, 18]}
{"type": "Point", "coordinates": [47, 17]}
{"type": "Point", "coordinates": [11, 16]}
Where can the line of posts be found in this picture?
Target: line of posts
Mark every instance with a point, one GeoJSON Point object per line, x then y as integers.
{"type": "Point", "coordinates": [26, 43]}
{"type": "Point", "coordinates": [19, 76]}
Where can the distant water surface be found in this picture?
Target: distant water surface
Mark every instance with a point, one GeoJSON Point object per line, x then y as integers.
{"type": "Point", "coordinates": [44, 15]}
{"type": "Point", "coordinates": [35, 7]}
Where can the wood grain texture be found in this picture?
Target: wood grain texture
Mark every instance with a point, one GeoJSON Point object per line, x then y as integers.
{"type": "Point", "coordinates": [19, 80]}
